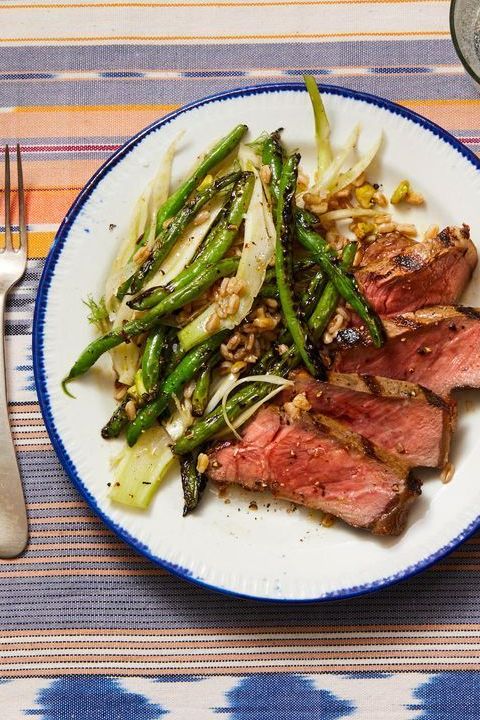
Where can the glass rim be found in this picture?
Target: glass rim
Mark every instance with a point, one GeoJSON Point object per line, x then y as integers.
{"type": "Point", "coordinates": [456, 44]}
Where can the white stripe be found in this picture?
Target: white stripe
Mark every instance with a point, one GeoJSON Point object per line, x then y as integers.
{"type": "Point", "coordinates": [343, 71]}
{"type": "Point", "coordinates": [229, 23]}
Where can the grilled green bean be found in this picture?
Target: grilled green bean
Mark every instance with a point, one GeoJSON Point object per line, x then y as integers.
{"type": "Point", "coordinates": [222, 236]}
{"type": "Point", "coordinates": [328, 301]}
{"type": "Point", "coordinates": [313, 292]}
{"type": "Point", "coordinates": [187, 368]}
{"type": "Point", "coordinates": [117, 422]}
{"type": "Point", "coordinates": [285, 226]}
{"type": "Point", "coordinates": [152, 297]}
{"type": "Point", "coordinates": [177, 199]}
{"type": "Point", "coordinates": [174, 352]}
{"type": "Point", "coordinates": [153, 357]}
{"type": "Point", "coordinates": [345, 284]}
{"type": "Point", "coordinates": [169, 235]}
{"type": "Point", "coordinates": [219, 152]}
{"type": "Point", "coordinates": [193, 482]}
{"type": "Point", "coordinates": [206, 427]}
{"type": "Point", "coordinates": [239, 205]}
{"type": "Point", "coordinates": [200, 394]}
{"type": "Point", "coordinates": [272, 155]}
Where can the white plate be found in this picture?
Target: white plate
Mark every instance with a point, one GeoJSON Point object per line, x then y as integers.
{"type": "Point", "coordinates": [269, 553]}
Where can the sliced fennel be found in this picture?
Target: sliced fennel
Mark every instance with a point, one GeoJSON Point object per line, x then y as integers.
{"type": "Point", "coordinates": [139, 470]}
{"type": "Point", "coordinates": [160, 190]}
{"type": "Point", "coordinates": [179, 421]}
{"type": "Point", "coordinates": [271, 379]}
{"type": "Point", "coordinates": [258, 249]}
{"type": "Point", "coordinates": [347, 213]}
{"type": "Point", "coordinates": [125, 357]}
{"type": "Point", "coordinates": [357, 169]}
{"type": "Point", "coordinates": [141, 223]}
{"type": "Point", "coordinates": [219, 386]}
{"type": "Point", "coordinates": [330, 175]}
{"type": "Point", "coordinates": [248, 157]}
{"type": "Point", "coordinates": [322, 127]}
{"type": "Point", "coordinates": [185, 247]}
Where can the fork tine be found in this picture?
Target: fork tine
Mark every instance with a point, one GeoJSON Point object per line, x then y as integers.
{"type": "Point", "coordinates": [21, 204]}
{"type": "Point", "coordinates": [8, 229]}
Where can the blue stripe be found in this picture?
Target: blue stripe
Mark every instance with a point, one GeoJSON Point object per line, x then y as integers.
{"type": "Point", "coordinates": [222, 56]}
{"type": "Point", "coordinates": [400, 70]}
{"type": "Point", "coordinates": [142, 91]}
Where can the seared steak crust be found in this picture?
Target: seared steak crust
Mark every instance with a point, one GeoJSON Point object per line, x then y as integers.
{"type": "Point", "coordinates": [398, 274]}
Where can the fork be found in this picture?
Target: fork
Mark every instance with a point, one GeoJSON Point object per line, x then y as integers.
{"type": "Point", "coordinates": [13, 513]}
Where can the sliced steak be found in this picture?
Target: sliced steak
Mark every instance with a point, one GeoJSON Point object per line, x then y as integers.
{"type": "Point", "coordinates": [405, 419]}
{"type": "Point", "coordinates": [398, 274]}
{"type": "Point", "coordinates": [319, 463]}
{"type": "Point", "coordinates": [436, 347]}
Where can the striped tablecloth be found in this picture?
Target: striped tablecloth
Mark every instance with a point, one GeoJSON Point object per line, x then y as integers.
{"type": "Point", "coordinates": [89, 629]}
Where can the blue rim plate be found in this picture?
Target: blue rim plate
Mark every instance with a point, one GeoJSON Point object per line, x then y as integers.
{"type": "Point", "coordinates": [442, 143]}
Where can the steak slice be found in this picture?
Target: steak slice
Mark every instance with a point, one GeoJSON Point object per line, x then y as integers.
{"type": "Point", "coordinates": [404, 419]}
{"type": "Point", "coordinates": [319, 463]}
{"type": "Point", "coordinates": [398, 274]}
{"type": "Point", "coordinates": [436, 347]}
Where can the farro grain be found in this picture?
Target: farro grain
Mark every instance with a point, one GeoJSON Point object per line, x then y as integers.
{"type": "Point", "coordinates": [407, 229]}
{"type": "Point", "coordinates": [447, 473]}
{"type": "Point", "coordinates": [131, 410]}
{"type": "Point", "coordinates": [202, 462]}
{"type": "Point", "coordinates": [213, 322]}
{"type": "Point", "coordinates": [233, 304]}
{"type": "Point", "coordinates": [414, 198]}
{"type": "Point", "coordinates": [265, 174]}
{"type": "Point", "coordinates": [384, 228]}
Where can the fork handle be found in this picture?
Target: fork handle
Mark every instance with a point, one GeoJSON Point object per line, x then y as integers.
{"type": "Point", "coordinates": [13, 513]}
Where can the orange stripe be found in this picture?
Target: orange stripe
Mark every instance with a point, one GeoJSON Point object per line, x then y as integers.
{"type": "Point", "coordinates": [48, 205]}
{"type": "Point", "coordinates": [274, 630]}
{"type": "Point", "coordinates": [67, 172]}
{"type": "Point", "coordinates": [447, 566]}
{"type": "Point", "coordinates": [278, 36]}
{"type": "Point", "coordinates": [39, 244]}
{"type": "Point", "coordinates": [24, 408]}
{"type": "Point", "coordinates": [93, 108]}
{"type": "Point", "coordinates": [35, 448]}
{"type": "Point", "coordinates": [96, 121]}
{"type": "Point", "coordinates": [452, 113]}
{"type": "Point", "coordinates": [30, 435]}
{"type": "Point", "coordinates": [23, 422]}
